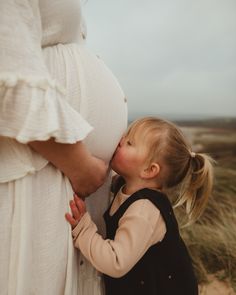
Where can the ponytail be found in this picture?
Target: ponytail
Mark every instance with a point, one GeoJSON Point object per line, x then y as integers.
{"type": "Point", "coordinates": [196, 187]}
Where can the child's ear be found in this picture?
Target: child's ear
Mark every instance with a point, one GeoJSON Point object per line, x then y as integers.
{"type": "Point", "coordinates": [151, 171]}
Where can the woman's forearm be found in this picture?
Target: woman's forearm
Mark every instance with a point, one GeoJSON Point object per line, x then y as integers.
{"type": "Point", "coordinates": [63, 156]}
{"type": "Point", "coordinates": [85, 172]}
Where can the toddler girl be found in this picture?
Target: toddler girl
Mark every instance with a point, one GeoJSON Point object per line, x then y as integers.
{"type": "Point", "coordinates": [143, 252]}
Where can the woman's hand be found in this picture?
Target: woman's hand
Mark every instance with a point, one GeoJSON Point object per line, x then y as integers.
{"type": "Point", "coordinates": [89, 176]}
{"type": "Point", "coordinates": [85, 172]}
{"type": "Point", "coordinates": [78, 208]}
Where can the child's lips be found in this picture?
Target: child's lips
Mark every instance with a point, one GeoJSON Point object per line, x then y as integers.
{"type": "Point", "coordinates": [113, 156]}
{"type": "Point", "coordinates": [115, 152]}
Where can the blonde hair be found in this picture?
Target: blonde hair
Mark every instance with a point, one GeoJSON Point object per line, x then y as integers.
{"type": "Point", "coordinates": [191, 172]}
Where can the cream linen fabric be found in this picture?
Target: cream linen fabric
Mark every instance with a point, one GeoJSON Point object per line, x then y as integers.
{"type": "Point", "coordinates": [140, 227]}
{"type": "Point", "coordinates": [50, 86]}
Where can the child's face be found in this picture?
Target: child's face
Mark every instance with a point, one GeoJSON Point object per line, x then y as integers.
{"type": "Point", "coordinates": [130, 157]}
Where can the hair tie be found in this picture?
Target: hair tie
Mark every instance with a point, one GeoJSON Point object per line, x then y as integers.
{"type": "Point", "coordinates": [192, 154]}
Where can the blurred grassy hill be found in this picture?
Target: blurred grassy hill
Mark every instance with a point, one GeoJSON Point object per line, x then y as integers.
{"type": "Point", "coordinates": [212, 239]}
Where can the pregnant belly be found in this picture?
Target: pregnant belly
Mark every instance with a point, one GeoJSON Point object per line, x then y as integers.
{"type": "Point", "coordinates": [93, 91]}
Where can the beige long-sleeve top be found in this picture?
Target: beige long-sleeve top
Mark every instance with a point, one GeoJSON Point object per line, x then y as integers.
{"type": "Point", "coordinates": [140, 227]}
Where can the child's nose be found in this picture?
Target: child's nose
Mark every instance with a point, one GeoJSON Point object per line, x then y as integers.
{"type": "Point", "coordinates": [121, 141]}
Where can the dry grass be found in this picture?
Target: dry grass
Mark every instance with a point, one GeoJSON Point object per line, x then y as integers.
{"type": "Point", "coordinates": [212, 239]}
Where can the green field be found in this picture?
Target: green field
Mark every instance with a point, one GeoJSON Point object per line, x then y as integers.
{"type": "Point", "coordinates": [212, 239]}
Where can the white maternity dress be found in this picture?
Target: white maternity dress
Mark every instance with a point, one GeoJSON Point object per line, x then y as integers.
{"type": "Point", "coordinates": [50, 86]}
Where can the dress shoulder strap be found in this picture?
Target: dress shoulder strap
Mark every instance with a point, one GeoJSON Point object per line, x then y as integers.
{"type": "Point", "coordinates": [159, 199]}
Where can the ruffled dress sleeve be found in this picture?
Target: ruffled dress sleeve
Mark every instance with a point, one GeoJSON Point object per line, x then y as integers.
{"type": "Point", "coordinates": [32, 104]}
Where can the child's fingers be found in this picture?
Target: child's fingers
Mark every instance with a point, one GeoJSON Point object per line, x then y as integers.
{"type": "Point", "coordinates": [75, 211]}
{"type": "Point", "coordinates": [71, 220]}
{"type": "Point", "coordinates": [80, 204]}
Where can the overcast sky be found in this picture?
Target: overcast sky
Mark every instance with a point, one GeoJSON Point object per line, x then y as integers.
{"type": "Point", "coordinates": [171, 57]}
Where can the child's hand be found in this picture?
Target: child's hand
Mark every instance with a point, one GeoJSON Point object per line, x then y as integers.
{"type": "Point", "coordinates": [78, 209]}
